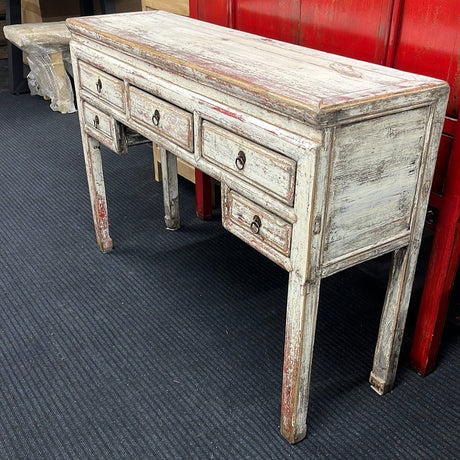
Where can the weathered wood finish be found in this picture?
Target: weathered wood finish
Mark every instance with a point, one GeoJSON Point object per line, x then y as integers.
{"type": "Point", "coordinates": [170, 190]}
{"type": "Point", "coordinates": [325, 161]}
{"type": "Point", "coordinates": [248, 160]}
{"type": "Point", "coordinates": [373, 183]}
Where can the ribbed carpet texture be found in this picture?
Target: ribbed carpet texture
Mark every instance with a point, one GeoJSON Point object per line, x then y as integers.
{"type": "Point", "coordinates": [171, 346]}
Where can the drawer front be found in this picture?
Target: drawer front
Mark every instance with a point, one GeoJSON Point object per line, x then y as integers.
{"type": "Point", "coordinates": [102, 85]}
{"type": "Point", "coordinates": [255, 225]}
{"type": "Point", "coordinates": [256, 164]}
{"type": "Point", "coordinates": [161, 118]}
{"type": "Point", "coordinates": [103, 128]}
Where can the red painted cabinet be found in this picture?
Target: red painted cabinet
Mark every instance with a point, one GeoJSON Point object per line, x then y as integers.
{"type": "Point", "coordinates": [355, 28]}
{"type": "Point", "coordinates": [257, 17]}
{"type": "Point", "coordinates": [421, 36]}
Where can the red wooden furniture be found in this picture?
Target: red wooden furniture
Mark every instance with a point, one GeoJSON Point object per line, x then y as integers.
{"type": "Point", "coordinates": [421, 36]}
{"type": "Point", "coordinates": [429, 43]}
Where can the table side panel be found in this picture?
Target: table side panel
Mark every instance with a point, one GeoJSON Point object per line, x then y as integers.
{"type": "Point", "coordinates": [375, 172]}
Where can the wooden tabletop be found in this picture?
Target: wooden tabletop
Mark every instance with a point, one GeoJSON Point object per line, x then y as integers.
{"type": "Point", "coordinates": [310, 81]}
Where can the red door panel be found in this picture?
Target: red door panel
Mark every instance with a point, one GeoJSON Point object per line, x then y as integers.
{"type": "Point", "coordinates": [442, 163]}
{"type": "Point", "coordinates": [215, 11]}
{"type": "Point", "coordinates": [429, 43]}
{"type": "Point", "coordinates": [353, 28]}
{"type": "Point", "coordinates": [278, 19]}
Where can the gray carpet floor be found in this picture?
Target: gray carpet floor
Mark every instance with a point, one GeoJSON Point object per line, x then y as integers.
{"type": "Point", "coordinates": [171, 346]}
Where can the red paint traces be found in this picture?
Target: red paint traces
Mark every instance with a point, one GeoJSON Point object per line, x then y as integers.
{"type": "Point", "coordinates": [228, 113]}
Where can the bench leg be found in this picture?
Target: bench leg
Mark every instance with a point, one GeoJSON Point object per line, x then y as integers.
{"type": "Point", "coordinates": [95, 176]}
{"type": "Point", "coordinates": [170, 189]}
{"type": "Point", "coordinates": [61, 84]}
{"type": "Point", "coordinates": [302, 308]}
{"type": "Point", "coordinates": [49, 72]}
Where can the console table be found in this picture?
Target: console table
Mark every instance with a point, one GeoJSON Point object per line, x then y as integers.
{"type": "Point", "coordinates": [325, 161]}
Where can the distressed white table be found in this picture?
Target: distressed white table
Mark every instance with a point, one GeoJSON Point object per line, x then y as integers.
{"type": "Point", "coordinates": [325, 162]}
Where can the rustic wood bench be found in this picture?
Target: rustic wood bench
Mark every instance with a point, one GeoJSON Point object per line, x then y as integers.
{"type": "Point", "coordinates": [46, 46]}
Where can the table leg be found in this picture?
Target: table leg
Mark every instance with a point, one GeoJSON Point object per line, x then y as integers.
{"type": "Point", "coordinates": [170, 189]}
{"type": "Point", "coordinates": [302, 308]}
{"type": "Point", "coordinates": [393, 320]}
{"type": "Point", "coordinates": [94, 173]}
{"type": "Point", "coordinates": [52, 81]}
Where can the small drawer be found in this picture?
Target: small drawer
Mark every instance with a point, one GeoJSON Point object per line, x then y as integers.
{"type": "Point", "coordinates": [104, 128]}
{"type": "Point", "coordinates": [258, 165]}
{"type": "Point", "coordinates": [105, 87]}
{"type": "Point", "coordinates": [255, 225]}
{"type": "Point", "coordinates": [162, 118]}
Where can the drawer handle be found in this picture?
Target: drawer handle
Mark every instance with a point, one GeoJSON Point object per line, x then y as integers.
{"type": "Point", "coordinates": [156, 118]}
{"type": "Point", "coordinates": [255, 225]}
{"type": "Point", "coordinates": [240, 160]}
{"type": "Point", "coordinates": [99, 85]}
{"type": "Point", "coordinates": [96, 122]}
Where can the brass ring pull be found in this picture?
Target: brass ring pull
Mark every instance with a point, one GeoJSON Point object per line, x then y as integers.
{"type": "Point", "coordinates": [240, 160]}
{"type": "Point", "coordinates": [255, 225]}
{"type": "Point", "coordinates": [99, 85]}
{"type": "Point", "coordinates": [156, 118]}
{"type": "Point", "coordinates": [96, 121]}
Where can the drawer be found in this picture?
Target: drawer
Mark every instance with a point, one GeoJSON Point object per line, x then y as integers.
{"type": "Point", "coordinates": [104, 128]}
{"type": "Point", "coordinates": [255, 225]}
{"type": "Point", "coordinates": [105, 87]}
{"type": "Point", "coordinates": [258, 165]}
{"type": "Point", "coordinates": [161, 117]}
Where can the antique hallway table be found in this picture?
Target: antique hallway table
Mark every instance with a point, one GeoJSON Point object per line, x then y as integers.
{"type": "Point", "coordinates": [325, 162]}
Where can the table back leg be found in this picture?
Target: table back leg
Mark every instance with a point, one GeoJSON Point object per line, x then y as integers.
{"type": "Point", "coordinates": [170, 189]}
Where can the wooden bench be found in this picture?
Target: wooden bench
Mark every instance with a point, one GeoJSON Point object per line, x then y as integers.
{"type": "Point", "coordinates": [46, 46]}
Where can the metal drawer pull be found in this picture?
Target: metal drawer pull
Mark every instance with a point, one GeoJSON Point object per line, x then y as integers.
{"type": "Point", "coordinates": [240, 160]}
{"type": "Point", "coordinates": [255, 225]}
{"type": "Point", "coordinates": [96, 122]}
{"type": "Point", "coordinates": [156, 118]}
{"type": "Point", "coordinates": [99, 85]}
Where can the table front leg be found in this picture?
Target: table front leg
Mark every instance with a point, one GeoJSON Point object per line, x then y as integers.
{"type": "Point", "coordinates": [302, 308]}
{"type": "Point", "coordinates": [170, 189]}
{"type": "Point", "coordinates": [392, 322]}
{"type": "Point", "coordinates": [95, 176]}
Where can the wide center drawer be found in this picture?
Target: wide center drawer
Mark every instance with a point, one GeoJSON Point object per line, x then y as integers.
{"type": "Point", "coordinates": [254, 163]}
{"type": "Point", "coordinates": [161, 117]}
{"type": "Point", "coordinates": [105, 87]}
